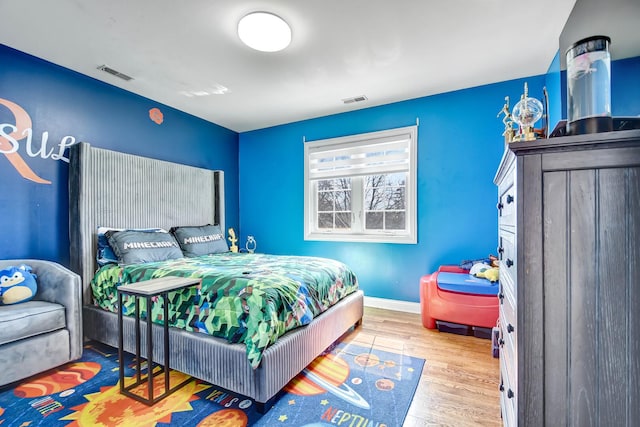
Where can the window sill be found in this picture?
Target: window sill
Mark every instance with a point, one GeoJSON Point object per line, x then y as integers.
{"type": "Point", "coordinates": [369, 238]}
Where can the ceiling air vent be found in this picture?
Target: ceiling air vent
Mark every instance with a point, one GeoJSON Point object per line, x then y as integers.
{"type": "Point", "coordinates": [114, 72]}
{"type": "Point", "coordinates": [354, 99]}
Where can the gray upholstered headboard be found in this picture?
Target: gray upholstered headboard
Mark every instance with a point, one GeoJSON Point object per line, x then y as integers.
{"type": "Point", "coordinates": [112, 189]}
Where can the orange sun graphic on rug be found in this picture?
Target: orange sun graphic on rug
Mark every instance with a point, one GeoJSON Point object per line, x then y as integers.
{"type": "Point", "coordinates": [110, 408]}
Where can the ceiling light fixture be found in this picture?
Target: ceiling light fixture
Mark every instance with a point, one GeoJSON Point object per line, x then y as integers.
{"type": "Point", "coordinates": [264, 31]}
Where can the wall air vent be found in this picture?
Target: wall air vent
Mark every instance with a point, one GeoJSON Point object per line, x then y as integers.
{"type": "Point", "coordinates": [354, 99]}
{"type": "Point", "coordinates": [114, 72]}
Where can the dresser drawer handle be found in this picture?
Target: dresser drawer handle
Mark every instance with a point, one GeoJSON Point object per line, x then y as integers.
{"type": "Point", "coordinates": [509, 263]}
{"type": "Point", "coordinates": [510, 328]}
{"type": "Point", "coordinates": [509, 198]}
{"type": "Point", "coordinates": [510, 394]}
{"type": "Point", "coordinates": [501, 296]}
{"type": "Point", "coordinates": [501, 342]}
{"type": "Point", "coordinates": [501, 387]}
{"type": "Point", "coordinates": [499, 206]}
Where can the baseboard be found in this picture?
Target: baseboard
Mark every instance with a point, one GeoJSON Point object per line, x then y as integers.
{"type": "Point", "coordinates": [392, 304]}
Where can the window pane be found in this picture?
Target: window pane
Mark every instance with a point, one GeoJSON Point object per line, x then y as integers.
{"type": "Point", "coordinates": [343, 200]}
{"type": "Point", "coordinates": [334, 203]}
{"type": "Point", "coordinates": [326, 184]}
{"type": "Point", "coordinates": [385, 201]}
{"type": "Point", "coordinates": [343, 219]}
{"type": "Point", "coordinates": [396, 179]}
{"type": "Point", "coordinates": [394, 221]}
{"type": "Point", "coordinates": [325, 201]}
{"type": "Point", "coordinates": [375, 180]}
{"type": "Point", "coordinates": [374, 198]}
{"type": "Point", "coordinates": [395, 198]}
{"type": "Point", "coordinates": [325, 220]}
{"type": "Point", "coordinates": [374, 220]}
{"type": "Point", "coordinates": [342, 183]}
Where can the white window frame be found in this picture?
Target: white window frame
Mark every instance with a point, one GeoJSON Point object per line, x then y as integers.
{"type": "Point", "coordinates": [407, 236]}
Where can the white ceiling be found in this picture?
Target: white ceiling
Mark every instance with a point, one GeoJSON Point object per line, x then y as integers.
{"type": "Point", "coordinates": [386, 50]}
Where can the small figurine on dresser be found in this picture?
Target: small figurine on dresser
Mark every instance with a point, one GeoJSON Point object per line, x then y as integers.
{"type": "Point", "coordinates": [233, 239]}
{"type": "Point", "coordinates": [508, 122]}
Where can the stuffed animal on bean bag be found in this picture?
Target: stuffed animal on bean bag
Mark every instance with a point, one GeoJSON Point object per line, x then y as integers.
{"type": "Point", "coordinates": [485, 271]}
{"type": "Point", "coordinates": [492, 274]}
{"type": "Point", "coordinates": [17, 284]}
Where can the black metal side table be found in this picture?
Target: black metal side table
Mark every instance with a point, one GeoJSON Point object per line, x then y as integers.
{"type": "Point", "coordinates": [149, 289]}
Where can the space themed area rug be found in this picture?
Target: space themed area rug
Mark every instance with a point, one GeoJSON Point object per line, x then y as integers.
{"type": "Point", "coordinates": [351, 386]}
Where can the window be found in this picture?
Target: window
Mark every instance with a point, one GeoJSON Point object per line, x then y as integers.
{"type": "Point", "coordinates": [362, 187]}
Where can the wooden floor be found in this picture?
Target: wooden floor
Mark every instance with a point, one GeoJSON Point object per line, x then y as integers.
{"type": "Point", "coordinates": [459, 383]}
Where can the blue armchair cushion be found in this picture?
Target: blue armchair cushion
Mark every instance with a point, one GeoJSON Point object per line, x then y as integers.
{"type": "Point", "coordinates": [17, 284]}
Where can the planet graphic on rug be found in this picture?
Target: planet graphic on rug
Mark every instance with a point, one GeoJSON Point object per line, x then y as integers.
{"type": "Point", "coordinates": [367, 360]}
{"type": "Point", "coordinates": [225, 418]}
{"type": "Point", "coordinates": [326, 374]}
{"type": "Point", "coordinates": [385, 384]}
{"type": "Point", "coordinates": [64, 378]}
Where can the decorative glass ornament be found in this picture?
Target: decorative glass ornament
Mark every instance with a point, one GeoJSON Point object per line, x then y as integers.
{"type": "Point", "coordinates": [525, 113]}
{"type": "Point", "coordinates": [251, 244]}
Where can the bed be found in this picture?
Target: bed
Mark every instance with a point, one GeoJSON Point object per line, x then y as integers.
{"type": "Point", "coordinates": [108, 188]}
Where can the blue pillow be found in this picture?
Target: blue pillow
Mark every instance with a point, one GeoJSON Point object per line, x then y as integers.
{"type": "Point", "coordinates": [200, 240]}
{"type": "Point", "coordinates": [105, 254]}
{"type": "Point", "coordinates": [17, 284]}
{"type": "Point", "coordinates": [134, 247]}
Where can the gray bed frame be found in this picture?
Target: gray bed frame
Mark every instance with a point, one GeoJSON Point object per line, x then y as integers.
{"type": "Point", "coordinates": [112, 189]}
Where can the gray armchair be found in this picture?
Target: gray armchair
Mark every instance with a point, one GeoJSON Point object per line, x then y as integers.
{"type": "Point", "coordinates": [45, 332]}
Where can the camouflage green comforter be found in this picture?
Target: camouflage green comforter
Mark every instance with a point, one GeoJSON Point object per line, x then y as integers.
{"type": "Point", "coordinates": [244, 298]}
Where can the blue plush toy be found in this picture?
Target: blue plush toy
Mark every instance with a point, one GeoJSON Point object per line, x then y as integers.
{"type": "Point", "coordinates": [17, 284]}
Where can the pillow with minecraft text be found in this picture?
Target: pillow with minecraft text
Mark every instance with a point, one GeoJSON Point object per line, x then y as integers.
{"type": "Point", "coordinates": [17, 284]}
{"type": "Point", "coordinates": [105, 254]}
{"type": "Point", "coordinates": [134, 247]}
{"type": "Point", "coordinates": [200, 240]}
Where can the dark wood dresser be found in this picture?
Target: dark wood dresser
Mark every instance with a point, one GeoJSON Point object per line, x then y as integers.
{"type": "Point", "coordinates": [569, 244]}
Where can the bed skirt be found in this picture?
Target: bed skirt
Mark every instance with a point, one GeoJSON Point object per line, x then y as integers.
{"type": "Point", "coordinates": [226, 365]}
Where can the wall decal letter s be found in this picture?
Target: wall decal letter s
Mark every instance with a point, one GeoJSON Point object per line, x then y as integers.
{"type": "Point", "coordinates": [9, 143]}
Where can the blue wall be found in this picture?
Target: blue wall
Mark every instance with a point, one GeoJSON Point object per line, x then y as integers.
{"type": "Point", "coordinates": [459, 149]}
{"type": "Point", "coordinates": [625, 87]}
{"type": "Point", "coordinates": [63, 103]}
